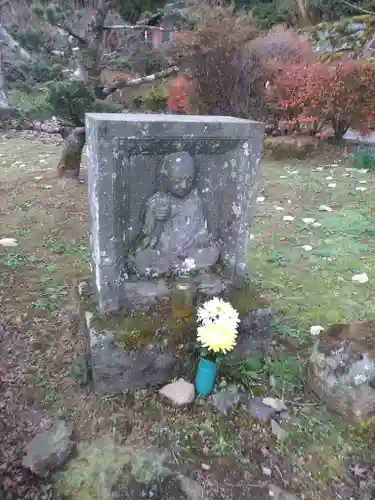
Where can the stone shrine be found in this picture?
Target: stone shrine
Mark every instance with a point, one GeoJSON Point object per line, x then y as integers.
{"type": "Point", "coordinates": [170, 197]}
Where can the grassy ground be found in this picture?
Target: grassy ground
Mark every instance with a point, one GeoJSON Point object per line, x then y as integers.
{"type": "Point", "coordinates": [42, 342]}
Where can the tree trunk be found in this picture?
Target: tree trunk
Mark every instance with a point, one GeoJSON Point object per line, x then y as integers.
{"type": "Point", "coordinates": [90, 52]}
{"type": "Point", "coordinates": [340, 127]}
{"type": "Point", "coordinates": [13, 45]}
{"type": "Point", "coordinates": [71, 155]}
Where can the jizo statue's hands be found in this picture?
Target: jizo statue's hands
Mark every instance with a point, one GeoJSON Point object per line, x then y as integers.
{"type": "Point", "coordinates": [161, 209]}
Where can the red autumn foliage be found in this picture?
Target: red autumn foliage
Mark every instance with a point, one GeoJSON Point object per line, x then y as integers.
{"type": "Point", "coordinates": [341, 94]}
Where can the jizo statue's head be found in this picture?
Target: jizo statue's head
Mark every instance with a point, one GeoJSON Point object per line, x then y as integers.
{"type": "Point", "coordinates": [178, 170]}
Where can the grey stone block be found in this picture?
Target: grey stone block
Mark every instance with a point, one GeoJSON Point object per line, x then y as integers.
{"type": "Point", "coordinates": [125, 154]}
{"type": "Point", "coordinates": [115, 369]}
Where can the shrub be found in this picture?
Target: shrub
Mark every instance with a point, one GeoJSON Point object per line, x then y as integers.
{"type": "Point", "coordinates": [41, 71]}
{"type": "Point", "coordinates": [152, 98]}
{"type": "Point", "coordinates": [70, 100]}
{"type": "Point", "coordinates": [227, 73]}
{"type": "Point", "coordinates": [281, 45]}
{"type": "Point", "coordinates": [342, 94]}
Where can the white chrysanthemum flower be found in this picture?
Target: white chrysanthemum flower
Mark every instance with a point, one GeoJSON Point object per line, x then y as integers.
{"type": "Point", "coordinates": [219, 311]}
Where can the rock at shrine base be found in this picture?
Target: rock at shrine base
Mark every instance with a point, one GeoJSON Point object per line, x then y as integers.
{"type": "Point", "coordinates": [150, 345]}
{"type": "Point", "coordinates": [341, 370]}
{"type": "Point", "coordinates": [128, 355]}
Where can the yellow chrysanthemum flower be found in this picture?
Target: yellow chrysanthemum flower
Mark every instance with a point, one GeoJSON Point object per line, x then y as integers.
{"type": "Point", "coordinates": [217, 337]}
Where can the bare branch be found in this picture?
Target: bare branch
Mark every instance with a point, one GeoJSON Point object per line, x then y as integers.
{"type": "Point", "coordinates": [143, 79]}
{"type": "Point", "coordinates": [70, 32]}
{"type": "Point", "coordinates": [356, 7]}
{"type": "Point", "coordinates": [135, 27]}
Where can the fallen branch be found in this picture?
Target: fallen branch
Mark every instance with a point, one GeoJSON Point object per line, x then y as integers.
{"type": "Point", "coordinates": [356, 7]}
{"type": "Point", "coordinates": [135, 27]}
{"type": "Point", "coordinates": [139, 81]}
{"type": "Point", "coordinates": [70, 32]}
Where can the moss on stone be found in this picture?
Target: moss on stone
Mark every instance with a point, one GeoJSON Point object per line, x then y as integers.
{"type": "Point", "coordinates": [136, 329]}
{"type": "Point", "coordinates": [247, 299]}
{"type": "Point", "coordinates": [100, 466]}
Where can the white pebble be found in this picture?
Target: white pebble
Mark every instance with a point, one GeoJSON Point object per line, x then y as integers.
{"type": "Point", "coordinates": [308, 220]}
{"type": "Point", "coordinates": [316, 330]}
{"type": "Point", "coordinates": [307, 248]}
{"type": "Point", "coordinates": [278, 208]}
{"type": "Point", "coordinates": [360, 278]}
{"type": "Point", "coordinates": [361, 188]}
{"type": "Point", "coordinates": [260, 199]}
{"type": "Point", "coordinates": [288, 218]}
{"type": "Point", "coordinates": [329, 178]}
{"type": "Point", "coordinates": [332, 185]}
{"type": "Point", "coordinates": [8, 242]}
{"type": "Point", "coordinates": [325, 208]}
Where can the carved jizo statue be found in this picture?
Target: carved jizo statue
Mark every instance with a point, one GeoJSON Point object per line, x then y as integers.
{"type": "Point", "coordinates": [175, 236]}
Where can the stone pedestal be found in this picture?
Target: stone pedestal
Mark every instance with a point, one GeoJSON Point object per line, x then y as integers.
{"type": "Point", "coordinates": [125, 154]}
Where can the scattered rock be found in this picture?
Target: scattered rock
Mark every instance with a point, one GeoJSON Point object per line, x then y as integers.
{"type": "Point", "coordinates": [277, 430]}
{"type": "Point", "coordinates": [266, 471]}
{"type": "Point", "coordinates": [179, 393]}
{"type": "Point", "coordinates": [223, 383]}
{"type": "Point", "coordinates": [49, 450]}
{"type": "Point", "coordinates": [276, 404]}
{"type": "Point", "coordinates": [258, 410]}
{"type": "Point", "coordinates": [277, 493]}
{"type": "Point", "coordinates": [341, 370]}
{"type": "Point", "coordinates": [178, 487]}
{"type": "Point", "coordinates": [227, 401]}
{"type": "Point", "coordinates": [205, 467]}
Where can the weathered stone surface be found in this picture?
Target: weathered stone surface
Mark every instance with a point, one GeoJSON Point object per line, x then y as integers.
{"type": "Point", "coordinates": [226, 401]}
{"type": "Point", "coordinates": [105, 470]}
{"type": "Point", "coordinates": [50, 449]}
{"type": "Point", "coordinates": [341, 370]}
{"type": "Point", "coordinates": [253, 335]}
{"type": "Point", "coordinates": [125, 155]}
{"type": "Point", "coordinates": [258, 410]}
{"type": "Point", "coordinates": [179, 487]}
{"type": "Point", "coordinates": [179, 393]}
{"type": "Point", "coordinates": [279, 494]}
{"type": "Point", "coordinates": [115, 369]}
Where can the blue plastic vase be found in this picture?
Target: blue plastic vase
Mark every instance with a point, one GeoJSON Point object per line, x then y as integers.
{"type": "Point", "coordinates": [206, 376]}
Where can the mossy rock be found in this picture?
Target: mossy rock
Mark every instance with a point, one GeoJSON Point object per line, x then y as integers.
{"type": "Point", "coordinates": [104, 470]}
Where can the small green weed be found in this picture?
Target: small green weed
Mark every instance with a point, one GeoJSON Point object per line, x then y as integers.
{"type": "Point", "coordinates": [57, 245]}
{"type": "Point", "coordinates": [13, 260]}
{"type": "Point", "coordinates": [246, 373]}
{"type": "Point", "coordinates": [276, 258]}
{"type": "Point", "coordinates": [285, 374]}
